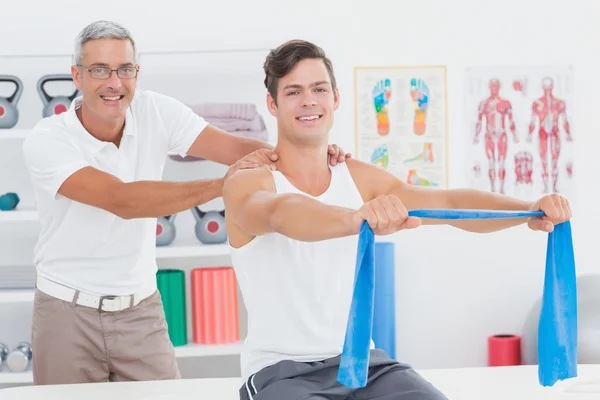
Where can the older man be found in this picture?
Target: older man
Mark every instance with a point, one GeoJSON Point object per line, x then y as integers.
{"type": "Point", "coordinates": [96, 171]}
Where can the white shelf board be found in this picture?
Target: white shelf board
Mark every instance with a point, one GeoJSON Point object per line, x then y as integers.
{"type": "Point", "coordinates": [19, 215]}
{"type": "Point", "coordinates": [187, 351]}
{"type": "Point", "coordinates": [16, 295]}
{"type": "Point", "coordinates": [192, 248]}
{"type": "Point", "coordinates": [7, 376]}
{"type": "Point", "coordinates": [12, 134]}
{"type": "Point", "coordinates": [204, 350]}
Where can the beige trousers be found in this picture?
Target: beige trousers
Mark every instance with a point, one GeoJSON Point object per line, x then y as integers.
{"type": "Point", "coordinates": [78, 344]}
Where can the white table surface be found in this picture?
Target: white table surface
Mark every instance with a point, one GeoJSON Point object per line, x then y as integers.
{"type": "Point", "coordinates": [497, 383]}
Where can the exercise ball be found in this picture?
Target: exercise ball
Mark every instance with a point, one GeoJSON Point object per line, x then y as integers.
{"type": "Point", "coordinates": [588, 324]}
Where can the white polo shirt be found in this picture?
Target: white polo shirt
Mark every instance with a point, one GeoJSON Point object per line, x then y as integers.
{"type": "Point", "coordinates": [85, 247]}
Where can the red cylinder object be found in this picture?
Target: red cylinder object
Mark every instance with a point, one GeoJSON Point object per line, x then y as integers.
{"type": "Point", "coordinates": [504, 350]}
{"type": "Point", "coordinates": [214, 306]}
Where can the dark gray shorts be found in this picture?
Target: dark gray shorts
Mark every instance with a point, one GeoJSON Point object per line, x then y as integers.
{"type": "Point", "coordinates": [290, 380]}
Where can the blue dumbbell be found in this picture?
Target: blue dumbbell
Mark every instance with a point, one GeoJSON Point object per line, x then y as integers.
{"type": "Point", "coordinates": [9, 201]}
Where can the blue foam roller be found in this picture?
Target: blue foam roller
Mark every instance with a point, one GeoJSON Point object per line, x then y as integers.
{"type": "Point", "coordinates": [384, 314]}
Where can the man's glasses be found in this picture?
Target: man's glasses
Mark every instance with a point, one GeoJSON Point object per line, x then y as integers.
{"type": "Point", "coordinates": [128, 72]}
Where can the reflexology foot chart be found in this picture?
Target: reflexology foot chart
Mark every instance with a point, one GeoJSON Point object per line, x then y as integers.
{"type": "Point", "coordinates": [519, 128]}
{"type": "Point", "coordinates": [401, 122]}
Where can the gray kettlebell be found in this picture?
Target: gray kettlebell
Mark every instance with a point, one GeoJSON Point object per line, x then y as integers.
{"type": "Point", "coordinates": [165, 230]}
{"type": "Point", "coordinates": [9, 114]}
{"type": "Point", "coordinates": [54, 105]}
{"type": "Point", "coordinates": [210, 226]}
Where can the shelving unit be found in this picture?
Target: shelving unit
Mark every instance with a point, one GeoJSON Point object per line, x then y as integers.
{"type": "Point", "coordinates": [15, 217]}
{"type": "Point", "coordinates": [186, 250]}
{"type": "Point", "coordinates": [195, 80]}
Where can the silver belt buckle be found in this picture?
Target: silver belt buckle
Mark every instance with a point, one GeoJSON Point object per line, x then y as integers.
{"type": "Point", "coordinates": [114, 297]}
{"type": "Point", "coordinates": [102, 299]}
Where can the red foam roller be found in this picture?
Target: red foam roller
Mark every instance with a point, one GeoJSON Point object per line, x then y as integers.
{"type": "Point", "coordinates": [504, 350]}
{"type": "Point", "coordinates": [214, 306]}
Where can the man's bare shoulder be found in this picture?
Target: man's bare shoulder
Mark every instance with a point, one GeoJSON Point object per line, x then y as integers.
{"type": "Point", "coordinates": [370, 179]}
{"type": "Point", "coordinates": [240, 190]}
{"type": "Point", "coordinates": [358, 167]}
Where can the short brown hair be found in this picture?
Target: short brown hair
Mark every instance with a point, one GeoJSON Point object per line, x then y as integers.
{"type": "Point", "coordinates": [284, 58]}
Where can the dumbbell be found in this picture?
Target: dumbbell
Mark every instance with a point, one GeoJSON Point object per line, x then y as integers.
{"type": "Point", "coordinates": [165, 230]}
{"type": "Point", "coordinates": [210, 226]}
{"type": "Point", "coordinates": [18, 360]}
{"type": "Point", "coordinates": [9, 201]}
{"type": "Point", "coordinates": [3, 354]}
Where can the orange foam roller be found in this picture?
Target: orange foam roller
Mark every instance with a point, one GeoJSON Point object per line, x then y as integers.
{"type": "Point", "coordinates": [214, 306]}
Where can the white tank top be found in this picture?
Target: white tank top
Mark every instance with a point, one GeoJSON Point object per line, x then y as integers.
{"type": "Point", "coordinates": [298, 294]}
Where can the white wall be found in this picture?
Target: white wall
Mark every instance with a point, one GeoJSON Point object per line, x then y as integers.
{"type": "Point", "coordinates": [471, 286]}
{"type": "Point", "coordinates": [454, 290]}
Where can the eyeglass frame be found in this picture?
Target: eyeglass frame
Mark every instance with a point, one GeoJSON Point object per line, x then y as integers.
{"type": "Point", "coordinates": [136, 67]}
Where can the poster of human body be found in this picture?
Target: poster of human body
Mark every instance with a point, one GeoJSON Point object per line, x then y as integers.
{"type": "Point", "coordinates": [401, 122]}
{"type": "Point", "coordinates": [520, 131]}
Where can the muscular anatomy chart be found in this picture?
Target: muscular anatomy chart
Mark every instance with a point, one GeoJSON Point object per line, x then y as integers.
{"type": "Point", "coordinates": [401, 122]}
{"type": "Point", "coordinates": [518, 119]}
{"type": "Point", "coordinates": [546, 114]}
{"type": "Point", "coordinates": [497, 112]}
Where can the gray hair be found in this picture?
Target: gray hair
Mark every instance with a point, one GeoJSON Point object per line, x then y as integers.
{"type": "Point", "coordinates": [101, 30]}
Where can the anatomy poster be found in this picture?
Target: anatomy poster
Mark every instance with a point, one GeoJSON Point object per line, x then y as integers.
{"type": "Point", "coordinates": [401, 122]}
{"type": "Point", "coordinates": [520, 131]}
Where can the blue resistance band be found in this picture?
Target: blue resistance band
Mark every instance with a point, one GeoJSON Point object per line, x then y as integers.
{"type": "Point", "coordinates": [557, 329]}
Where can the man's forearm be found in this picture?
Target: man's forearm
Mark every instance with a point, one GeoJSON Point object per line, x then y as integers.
{"type": "Point", "coordinates": [151, 199]}
{"type": "Point", "coordinates": [223, 147]}
{"type": "Point", "coordinates": [303, 218]}
{"type": "Point", "coordinates": [481, 200]}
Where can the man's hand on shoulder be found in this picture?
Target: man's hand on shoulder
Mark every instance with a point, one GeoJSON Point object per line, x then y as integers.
{"type": "Point", "coordinates": [260, 158]}
{"type": "Point", "coordinates": [337, 154]}
{"type": "Point", "coordinates": [266, 158]}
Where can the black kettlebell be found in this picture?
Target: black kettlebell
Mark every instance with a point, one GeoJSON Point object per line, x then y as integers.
{"type": "Point", "coordinates": [54, 105]}
{"type": "Point", "coordinates": [9, 114]}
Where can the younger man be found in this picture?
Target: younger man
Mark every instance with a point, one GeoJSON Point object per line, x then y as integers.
{"type": "Point", "coordinates": [294, 235]}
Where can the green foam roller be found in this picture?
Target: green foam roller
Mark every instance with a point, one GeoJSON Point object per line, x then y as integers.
{"type": "Point", "coordinates": [171, 285]}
